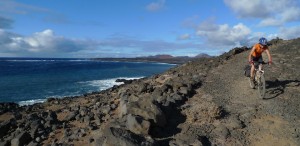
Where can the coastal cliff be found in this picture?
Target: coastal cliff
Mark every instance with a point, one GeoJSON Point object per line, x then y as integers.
{"type": "Point", "coordinates": [203, 102]}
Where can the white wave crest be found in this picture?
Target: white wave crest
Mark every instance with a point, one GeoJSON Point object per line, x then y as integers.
{"type": "Point", "coordinates": [31, 102]}
{"type": "Point", "coordinates": [107, 83]}
{"type": "Point", "coordinates": [101, 84]}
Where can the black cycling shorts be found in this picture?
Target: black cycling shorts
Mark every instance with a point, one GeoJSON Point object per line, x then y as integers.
{"type": "Point", "coordinates": [257, 59]}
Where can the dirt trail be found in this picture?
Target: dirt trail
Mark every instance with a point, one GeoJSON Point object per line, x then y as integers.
{"type": "Point", "coordinates": [273, 121]}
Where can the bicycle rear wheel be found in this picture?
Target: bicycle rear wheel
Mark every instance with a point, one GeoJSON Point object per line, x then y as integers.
{"type": "Point", "coordinates": [261, 86]}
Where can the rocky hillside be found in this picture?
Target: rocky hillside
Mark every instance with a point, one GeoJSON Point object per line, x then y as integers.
{"type": "Point", "coordinates": [204, 102]}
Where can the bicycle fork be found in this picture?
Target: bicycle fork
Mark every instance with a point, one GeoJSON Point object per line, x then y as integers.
{"type": "Point", "coordinates": [258, 75]}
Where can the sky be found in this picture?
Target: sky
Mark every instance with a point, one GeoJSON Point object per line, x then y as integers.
{"type": "Point", "coordinates": [135, 28]}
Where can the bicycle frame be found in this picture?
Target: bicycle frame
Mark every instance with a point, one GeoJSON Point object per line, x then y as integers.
{"type": "Point", "coordinates": [258, 74]}
{"type": "Point", "coordinates": [259, 81]}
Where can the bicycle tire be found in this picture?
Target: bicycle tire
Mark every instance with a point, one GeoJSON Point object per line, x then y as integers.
{"type": "Point", "coordinates": [261, 87]}
{"type": "Point", "coordinates": [251, 83]}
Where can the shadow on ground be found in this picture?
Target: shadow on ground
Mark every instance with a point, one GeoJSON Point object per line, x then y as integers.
{"type": "Point", "coordinates": [277, 87]}
{"type": "Point", "coordinates": [174, 118]}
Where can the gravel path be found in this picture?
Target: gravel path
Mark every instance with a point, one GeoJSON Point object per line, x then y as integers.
{"type": "Point", "coordinates": [272, 121]}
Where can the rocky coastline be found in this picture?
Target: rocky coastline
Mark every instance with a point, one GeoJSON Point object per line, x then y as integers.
{"type": "Point", "coordinates": [203, 102]}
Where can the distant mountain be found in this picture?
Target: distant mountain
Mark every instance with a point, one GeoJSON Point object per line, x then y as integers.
{"type": "Point", "coordinates": [202, 55]}
{"type": "Point", "coordinates": [160, 56]}
{"type": "Point", "coordinates": [166, 56]}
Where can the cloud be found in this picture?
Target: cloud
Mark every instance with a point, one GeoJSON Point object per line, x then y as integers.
{"type": "Point", "coordinates": [289, 33]}
{"type": "Point", "coordinates": [272, 13]}
{"type": "Point", "coordinates": [5, 22]}
{"type": "Point", "coordinates": [10, 6]}
{"type": "Point", "coordinates": [291, 14]}
{"type": "Point", "coordinates": [270, 22]}
{"type": "Point", "coordinates": [223, 35]}
{"type": "Point", "coordinates": [5, 37]}
{"type": "Point", "coordinates": [155, 6]}
{"type": "Point", "coordinates": [40, 43]}
{"type": "Point", "coordinates": [47, 44]}
{"type": "Point", "coordinates": [246, 8]}
{"type": "Point", "coordinates": [184, 37]}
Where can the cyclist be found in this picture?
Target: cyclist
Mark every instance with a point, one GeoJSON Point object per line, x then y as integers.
{"type": "Point", "coordinates": [256, 55]}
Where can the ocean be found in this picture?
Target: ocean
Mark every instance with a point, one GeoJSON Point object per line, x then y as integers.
{"type": "Point", "coordinates": [31, 80]}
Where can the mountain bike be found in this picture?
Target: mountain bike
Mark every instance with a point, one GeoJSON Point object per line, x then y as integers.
{"type": "Point", "coordinates": [259, 81]}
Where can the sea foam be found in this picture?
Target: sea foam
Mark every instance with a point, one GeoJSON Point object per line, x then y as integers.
{"type": "Point", "coordinates": [30, 102]}
{"type": "Point", "coordinates": [106, 83]}
{"type": "Point", "coordinates": [101, 84]}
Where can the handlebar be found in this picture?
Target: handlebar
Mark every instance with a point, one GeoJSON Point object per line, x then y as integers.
{"type": "Point", "coordinates": [257, 63]}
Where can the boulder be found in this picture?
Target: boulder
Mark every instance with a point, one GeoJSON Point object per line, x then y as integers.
{"type": "Point", "coordinates": [166, 99]}
{"type": "Point", "coordinates": [142, 87]}
{"type": "Point", "coordinates": [124, 81]}
{"type": "Point", "coordinates": [177, 97]}
{"type": "Point", "coordinates": [123, 106]}
{"type": "Point", "coordinates": [219, 135]}
{"type": "Point", "coordinates": [105, 109]}
{"type": "Point", "coordinates": [32, 143]}
{"type": "Point", "coordinates": [146, 108]}
{"type": "Point", "coordinates": [179, 142]}
{"type": "Point", "coordinates": [10, 106]}
{"type": "Point", "coordinates": [32, 117]}
{"type": "Point", "coordinates": [184, 90]}
{"type": "Point", "coordinates": [121, 137]}
{"type": "Point", "coordinates": [113, 106]}
{"type": "Point", "coordinates": [34, 130]}
{"type": "Point", "coordinates": [161, 99]}
{"type": "Point", "coordinates": [52, 118]}
{"type": "Point", "coordinates": [234, 123]}
{"type": "Point", "coordinates": [166, 87]}
{"type": "Point", "coordinates": [157, 92]}
{"type": "Point", "coordinates": [71, 116]}
{"type": "Point", "coordinates": [34, 123]}
{"type": "Point", "coordinates": [22, 139]}
{"type": "Point", "coordinates": [5, 126]}
{"type": "Point", "coordinates": [137, 124]}
{"type": "Point", "coordinates": [220, 132]}
{"type": "Point", "coordinates": [83, 112]}
{"type": "Point", "coordinates": [87, 119]}
{"type": "Point", "coordinates": [5, 143]}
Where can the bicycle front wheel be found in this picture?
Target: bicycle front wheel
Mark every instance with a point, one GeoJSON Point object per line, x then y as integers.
{"type": "Point", "coordinates": [261, 87]}
{"type": "Point", "coordinates": [252, 84]}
